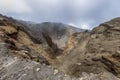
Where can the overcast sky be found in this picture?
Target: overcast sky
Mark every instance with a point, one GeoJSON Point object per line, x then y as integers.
{"type": "Point", "coordinates": [80, 13]}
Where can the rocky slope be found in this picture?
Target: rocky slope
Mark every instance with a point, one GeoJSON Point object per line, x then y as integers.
{"type": "Point", "coordinates": [26, 55]}
{"type": "Point", "coordinates": [57, 31]}
{"type": "Point", "coordinates": [97, 51]}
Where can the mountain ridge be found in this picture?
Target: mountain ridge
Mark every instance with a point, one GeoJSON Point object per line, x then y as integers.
{"type": "Point", "coordinates": [59, 32]}
{"type": "Point", "coordinates": [86, 55]}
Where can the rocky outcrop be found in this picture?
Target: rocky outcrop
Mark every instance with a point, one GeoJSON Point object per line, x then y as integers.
{"type": "Point", "coordinates": [58, 32]}
{"type": "Point", "coordinates": [27, 54]}
{"type": "Point", "coordinates": [94, 52]}
{"type": "Point", "coordinates": [105, 38]}
{"type": "Point", "coordinates": [22, 42]}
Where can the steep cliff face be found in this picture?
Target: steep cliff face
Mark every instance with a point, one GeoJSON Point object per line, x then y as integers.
{"type": "Point", "coordinates": [23, 43]}
{"type": "Point", "coordinates": [58, 32]}
{"type": "Point", "coordinates": [91, 55]}
{"type": "Point", "coordinates": [105, 41]}
{"type": "Point", "coordinates": [105, 38]}
{"type": "Point", "coordinates": [95, 52]}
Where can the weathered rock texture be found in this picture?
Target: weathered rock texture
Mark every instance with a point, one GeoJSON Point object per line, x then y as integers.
{"type": "Point", "coordinates": [96, 51]}
{"type": "Point", "coordinates": [58, 32]}
{"type": "Point", "coordinates": [27, 54]}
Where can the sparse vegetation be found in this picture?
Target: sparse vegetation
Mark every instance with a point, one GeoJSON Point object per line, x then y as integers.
{"type": "Point", "coordinates": [28, 52]}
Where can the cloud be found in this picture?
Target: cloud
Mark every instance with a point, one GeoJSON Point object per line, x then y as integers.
{"type": "Point", "coordinates": [14, 6]}
{"type": "Point", "coordinates": [63, 9]}
{"type": "Point", "coordinates": [82, 26]}
{"type": "Point", "coordinates": [82, 13]}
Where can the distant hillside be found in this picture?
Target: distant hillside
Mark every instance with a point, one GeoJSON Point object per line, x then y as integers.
{"type": "Point", "coordinates": [57, 31]}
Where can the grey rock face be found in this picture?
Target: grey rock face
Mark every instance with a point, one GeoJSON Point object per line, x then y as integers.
{"type": "Point", "coordinates": [13, 68]}
{"type": "Point", "coordinates": [22, 58]}
{"type": "Point", "coordinates": [57, 31]}
{"type": "Point", "coordinates": [94, 52]}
